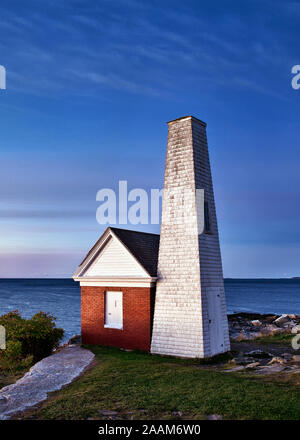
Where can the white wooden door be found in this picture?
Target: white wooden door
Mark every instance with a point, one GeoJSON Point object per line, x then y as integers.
{"type": "Point", "coordinates": [215, 322]}
{"type": "Point", "coordinates": [114, 309]}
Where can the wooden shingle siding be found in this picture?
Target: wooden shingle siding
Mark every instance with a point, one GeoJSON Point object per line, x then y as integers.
{"type": "Point", "coordinates": [190, 313]}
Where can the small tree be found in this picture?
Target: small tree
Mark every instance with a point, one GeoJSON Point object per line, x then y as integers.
{"type": "Point", "coordinates": [35, 337]}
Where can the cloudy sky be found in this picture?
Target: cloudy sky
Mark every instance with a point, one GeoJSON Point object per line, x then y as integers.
{"type": "Point", "coordinates": [90, 86]}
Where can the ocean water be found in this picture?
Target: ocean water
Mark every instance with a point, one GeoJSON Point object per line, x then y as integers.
{"type": "Point", "coordinates": [61, 298]}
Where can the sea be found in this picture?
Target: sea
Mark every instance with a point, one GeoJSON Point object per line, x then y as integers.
{"type": "Point", "coordinates": [61, 298]}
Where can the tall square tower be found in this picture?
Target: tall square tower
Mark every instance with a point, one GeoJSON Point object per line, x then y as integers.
{"type": "Point", "coordinates": [190, 312]}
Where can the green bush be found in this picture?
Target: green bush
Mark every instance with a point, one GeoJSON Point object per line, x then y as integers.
{"type": "Point", "coordinates": [29, 338]}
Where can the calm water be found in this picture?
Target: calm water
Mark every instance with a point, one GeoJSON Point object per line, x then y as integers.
{"type": "Point", "coordinates": [61, 297]}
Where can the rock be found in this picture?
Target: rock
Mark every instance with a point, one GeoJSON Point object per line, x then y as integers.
{"type": "Point", "coordinates": [259, 354]}
{"type": "Point", "coordinates": [296, 329]}
{"type": "Point", "coordinates": [291, 316]}
{"type": "Point", "coordinates": [255, 335]}
{"type": "Point", "coordinates": [76, 339]}
{"type": "Point", "coordinates": [241, 336]}
{"type": "Point", "coordinates": [244, 360]}
{"type": "Point", "coordinates": [3, 401]}
{"type": "Point", "coordinates": [253, 365]}
{"type": "Point", "coordinates": [282, 320]}
{"type": "Point", "coordinates": [108, 412]}
{"type": "Point", "coordinates": [214, 417]}
{"type": "Point", "coordinates": [239, 368]}
{"type": "Point", "coordinates": [278, 360]}
{"type": "Point", "coordinates": [177, 413]}
{"type": "Point", "coordinates": [256, 323]}
{"type": "Point", "coordinates": [48, 375]}
{"type": "Point", "coordinates": [287, 356]}
{"type": "Point", "coordinates": [271, 329]}
{"type": "Point", "coordinates": [270, 369]}
{"type": "Point", "coordinates": [296, 358]}
{"type": "Point", "coordinates": [289, 325]}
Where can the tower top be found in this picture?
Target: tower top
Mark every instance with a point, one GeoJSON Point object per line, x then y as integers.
{"type": "Point", "coordinates": [183, 118]}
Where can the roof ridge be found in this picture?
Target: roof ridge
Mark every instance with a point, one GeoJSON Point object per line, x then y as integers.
{"type": "Point", "coordinates": [131, 230]}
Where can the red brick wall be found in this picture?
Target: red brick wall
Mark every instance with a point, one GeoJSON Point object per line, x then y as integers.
{"type": "Point", "coordinates": [138, 303]}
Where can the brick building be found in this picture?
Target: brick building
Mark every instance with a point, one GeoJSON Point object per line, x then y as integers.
{"type": "Point", "coordinates": [163, 294]}
{"type": "Point", "coordinates": [117, 279]}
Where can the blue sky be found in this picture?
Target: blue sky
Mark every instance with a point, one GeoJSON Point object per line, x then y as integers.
{"type": "Point", "coordinates": [90, 85]}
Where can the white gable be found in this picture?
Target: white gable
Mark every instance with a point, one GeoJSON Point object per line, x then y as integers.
{"type": "Point", "coordinates": [115, 261]}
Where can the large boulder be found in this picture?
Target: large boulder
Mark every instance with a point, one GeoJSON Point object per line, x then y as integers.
{"type": "Point", "coordinates": [295, 328]}
{"type": "Point", "coordinates": [256, 323]}
{"type": "Point", "coordinates": [277, 360]}
{"type": "Point", "coordinates": [282, 320]}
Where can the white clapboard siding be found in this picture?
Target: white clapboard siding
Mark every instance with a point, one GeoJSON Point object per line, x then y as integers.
{"type": "Point", "coordinates": [115, 261]}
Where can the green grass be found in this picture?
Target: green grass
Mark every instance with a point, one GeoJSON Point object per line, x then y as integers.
{"type": "Point", "coordinates": [130, 381]}
{"type": "Point", "coordinates": [281, 338]}
{"type": "Point", "coordinates": [10, 371]}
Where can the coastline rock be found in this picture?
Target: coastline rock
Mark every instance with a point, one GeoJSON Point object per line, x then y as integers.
{"type": "Point", "coordinates": [277, 360]}
{"type": "Point", "coordinates": [272, 329]}
{"type": "Point", "coordinates": [76, 339]}
{"type": "Point", "coordinates": [3, 401]}
{"type": "Point", "coordinates": [239, 368]}
{"type": "Point", "coordinates": [247, 326]}
{"type": "Point", "coordinates": [256, 323]}
{"type": "Point", "coordinates": [287, 356]}
{"type": "Point", "coordinates": [296, 329]}
{"type": "Point", "coordinates": [270, 369]}
{"type": "Point", "coordinates": [282, 320]}
{"type": "Point", "coordinates": [253, 365]}
{"type": "Point", "coordinates": [289, 325]}
{"type": "Point", "coordinates": [48, 375]}
{"type": "Point", "coordinates": [259, 354]}
{"type": "Point", "coordinates": [242, 360]}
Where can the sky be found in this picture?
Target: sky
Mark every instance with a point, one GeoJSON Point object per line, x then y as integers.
{"type": "Point", "coordinates": [90, 87]}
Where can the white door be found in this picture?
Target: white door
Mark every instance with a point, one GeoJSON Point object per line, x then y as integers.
{"type": "Point", "coordinates": [114, 310]}
{"type": "Point", "coordinates": [215, 322]}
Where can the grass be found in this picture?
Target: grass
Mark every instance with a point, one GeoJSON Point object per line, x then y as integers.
{"type": "Point", "coordinates": [279, 338]}
{"type": "Point", "coordinates": [10, 371]}
{"type": "Point", "coordinates": [128, 382]}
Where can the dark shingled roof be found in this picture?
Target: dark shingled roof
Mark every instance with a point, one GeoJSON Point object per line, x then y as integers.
{"type": "Point", "coordinates": [143, 246]}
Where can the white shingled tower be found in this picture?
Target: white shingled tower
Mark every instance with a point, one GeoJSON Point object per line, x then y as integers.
{"type": "Point", "coordinates": [190, 311]}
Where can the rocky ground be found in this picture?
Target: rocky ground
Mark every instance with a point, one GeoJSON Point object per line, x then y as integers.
{"type": "Point", "coordinates": [247, 326]}
{"type": "Point", "coordinates": [252, 345]}
{"type": "Point", "coordinates": [48, 375]}
{"type": "Point", "coordinates": [250, 354]}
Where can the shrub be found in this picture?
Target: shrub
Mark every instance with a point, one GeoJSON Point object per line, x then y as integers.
{"type": "Point", "coordinates": [29, 338]}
